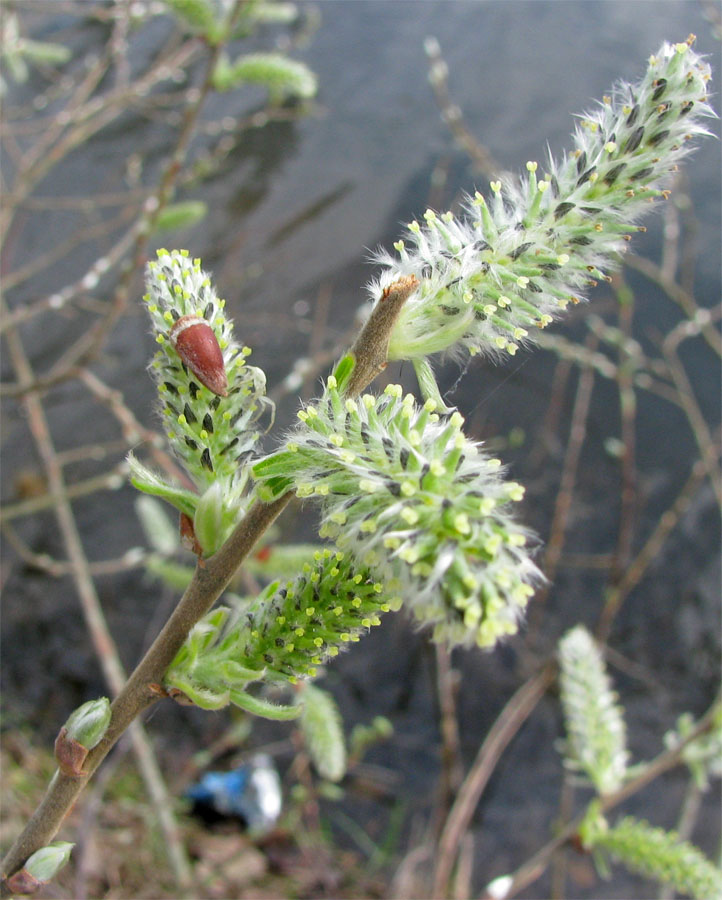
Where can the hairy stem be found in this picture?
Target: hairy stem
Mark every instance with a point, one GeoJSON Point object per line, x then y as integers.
{"type": "Point", "coordinates": [209, 580]}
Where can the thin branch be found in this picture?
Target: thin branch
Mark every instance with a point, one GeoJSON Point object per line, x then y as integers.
{"type": "Point", "coordinates": [210, 578]}
{"type": "Point", "coordinates": [93, 613]}
{"type": "Point", "coordinates": [679, 295]}
{"type": "Point", "coordinates": [534, 867]}
{"type": "Point", "coordinates": [507, 724]}
{"type": "Point", "coordinates": [667, 522]}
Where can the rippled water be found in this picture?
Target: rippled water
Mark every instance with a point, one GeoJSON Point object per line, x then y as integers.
{"type": "Point", "coordinates": [292, 218]}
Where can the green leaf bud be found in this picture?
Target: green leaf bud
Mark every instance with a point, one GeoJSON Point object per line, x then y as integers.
{"type": "Point", "coordinates": [364, 736]}
{"type": "Point", "coordinates": [323, 732]}
{"type": "Point", "coordinates": [199, 15]}
{"type": "Point", "coordinates": [85, 728]}
{"type": "Point", "coordinates": [275, 12]}
{"type": "Point", "coordinates": [88, 723]}
{"type": "Point", "coordinates": [45, 863]}
{"type": "Point", "coordinates": [283, 77]}
{"type": "Point", "coordinates": [181, 215]}
{"type": "Point", "coordinates": [208, 522]}
{"type": "Point", "coordinates": [703, 755]}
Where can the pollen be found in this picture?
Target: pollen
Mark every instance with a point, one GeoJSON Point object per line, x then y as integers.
{"type": "Point", "coordinates": [410, 516]}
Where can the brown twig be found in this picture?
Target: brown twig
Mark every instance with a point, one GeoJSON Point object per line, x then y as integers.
{"type": "Point", "coordinates": [108, 481]}
{"type": "Point", "coordinates": [638, 566]}
{"type": "Point", "coordinates": [562, 506]}
{"type": "Point", "coordinates": [537, 864]}
{"type": "Point", "coordinates": [628, 416]}
{"type": "Point", "coordinates": [452, 772]}
{"type": "Point", "coordinates": [679, 295]}
{"type": "Point", "coordinates": [209, 580]}
{"type": "Point", "coordinates": [451, 113]}
{"type": "Point", "coordinates": [93, 614]}
{"type": "Point", "coordinates": [709, 451]}
{"type": "Point", "coordinates": [507, 724]}
{"type": "Point", "coordinates": [88, 117]}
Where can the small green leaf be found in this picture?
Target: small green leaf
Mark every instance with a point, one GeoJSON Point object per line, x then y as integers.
{"type": "Point", "coordinates": [208, 521]}
{"type": "Point", "coordinates": [264, 708]}
{"type": "Point", "coordinates": [281, 463]}
{"type": "Point", "coordinates": [175, 575]}
{"type": "Point", "coordinates": [202, 697]}
{"type": "Point", "coordinates": [275, 13]}
{"type": "Point", "coordinates": [343, 372]}
{"type": "Point", "coordinates": [46, 53]}
{"type": "Point", "coordinates": [364, 736]}
{"type": "Point", "coordinates": [45, 863]}
{"type": "Point", "coordinates": [181, 215]}
{"type": "Point", "coordinates": [283, 77]}
{"type": "Point", "coordinates": [160, 532]}
{"type": "Point", "coordinates": [198, 14]}
{"type": "Point", "coordinates": [323, 732]}
{"type": "Point", "coordinates": [144, 479]}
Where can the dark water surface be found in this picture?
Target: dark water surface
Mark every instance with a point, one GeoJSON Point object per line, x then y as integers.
{"type": "Point", "coordinates": [292, 216]}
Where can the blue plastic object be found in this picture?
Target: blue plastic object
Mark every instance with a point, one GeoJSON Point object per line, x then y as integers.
{"type": "Point", "coordinates": [251, 792]}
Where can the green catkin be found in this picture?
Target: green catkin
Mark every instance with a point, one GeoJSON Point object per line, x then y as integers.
{"type": "Point", "coordinates": [596, 733]}
{"type": "Point", "coordinates": [409, 497]}
{"type": "Point", "coordinates": [213, 436]}
{"type": "Point", "coordinates": [285, 634]}
{"type": "Point", "coordinates": [541, 242]}
{"type": "Point", "coordinates": [656, 854]}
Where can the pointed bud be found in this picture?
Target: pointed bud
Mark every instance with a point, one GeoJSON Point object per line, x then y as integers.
{"type": "Point", "coordinates": [88, 724]}
{"type": "Point", "coordinates": [195, 342]}
{"type": "Point", "coordinates": [40, 868]}
{"type": "Point", "coordinates": [45, 863]}
{"type": "Point", "coordinates": [208, 520]}
{"type": "Point", "coordinates": [85, 728]}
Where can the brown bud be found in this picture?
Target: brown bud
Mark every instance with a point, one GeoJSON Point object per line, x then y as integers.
{"type": "Point", "coordinates": [69, 754]}
{"type": "Point", "coordinates": [188, 538]}
{"type": "Point", "coordinates": [195, 342]}
{"type": "Point", "coordinates": [179, 697]}
{"type": "Point", "coordinates": [22, 883]}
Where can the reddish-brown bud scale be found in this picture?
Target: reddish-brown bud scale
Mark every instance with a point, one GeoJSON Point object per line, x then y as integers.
{"type": "Point", "coordinates": [69, 754]}
{"type": "Point", "coordinates": [196, 344]}
{"type": "Point", "coordinates": [22, 883]}
{"type": "Point", "coordinates": [188, 538]}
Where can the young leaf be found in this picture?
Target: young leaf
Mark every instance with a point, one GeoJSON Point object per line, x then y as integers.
{"type": "Point", "coordinates": [181, 215]}
{"type": "Point", "coordinates": [160, 532]}
{"type": "Point", "coordinates": [281, 76]}
{"type": "Point", "coordinates": [323, 732]}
